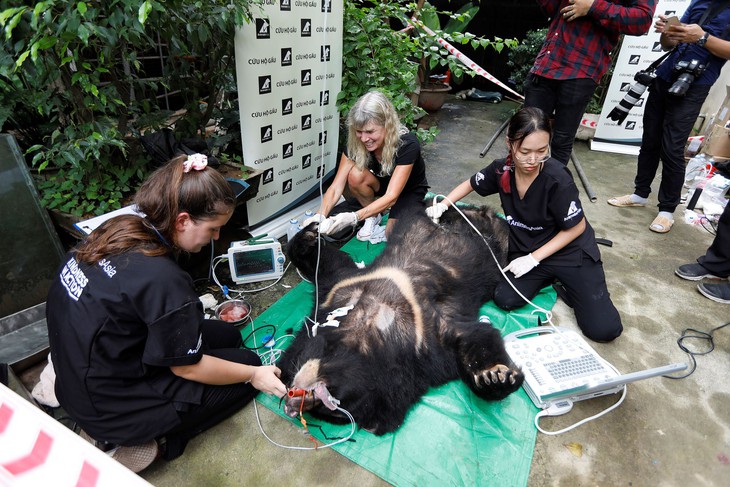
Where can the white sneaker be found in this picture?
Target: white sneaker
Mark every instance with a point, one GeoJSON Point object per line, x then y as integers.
{"type": "Point", "coordinates": [377, 236]}
{"type": "Point", "coordinates": [368, 227]}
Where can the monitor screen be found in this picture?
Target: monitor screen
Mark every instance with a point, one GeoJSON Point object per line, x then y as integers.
{"type": "Point", "coordinates": [254, 262]}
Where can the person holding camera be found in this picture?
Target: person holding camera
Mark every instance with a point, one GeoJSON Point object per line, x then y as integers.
{"type": "Point", "coordinates": [676, 94]}
{"type": "Point", "coordinates": [575, 56]}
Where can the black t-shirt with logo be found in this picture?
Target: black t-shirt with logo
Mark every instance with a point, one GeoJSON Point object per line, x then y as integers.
{"type": "Point", "coordinates": [551, 204]}
{"type": "Point", "coordinates": [115, 328]}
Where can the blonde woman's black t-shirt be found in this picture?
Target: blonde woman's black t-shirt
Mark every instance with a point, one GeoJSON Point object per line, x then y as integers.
{"type": "Point", "coordinates": [115, 328]}
{"type": "Point", "coordinates": [551, 204]}
{"type": "Point", "coordinates": [409, 152]}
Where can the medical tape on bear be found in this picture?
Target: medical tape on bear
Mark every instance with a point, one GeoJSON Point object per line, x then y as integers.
{"type": "Point", "coordinates": [331, 321]}
{"type": "Point", "coordinates": [402, 281]}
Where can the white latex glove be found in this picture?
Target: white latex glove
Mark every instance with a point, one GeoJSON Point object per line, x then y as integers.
{"type": "Point", "coordinates": [434, 212]}
{"type": "Point", "coordinates": [338, 222]}
{"type": "Point", "coordinates": [316, 218]}
{"type": "Point", "coordinates": [522, 265]}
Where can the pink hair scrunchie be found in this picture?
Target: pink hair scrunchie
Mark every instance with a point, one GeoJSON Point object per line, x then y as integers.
{"type": "Point", "coordinates": [197, 162]}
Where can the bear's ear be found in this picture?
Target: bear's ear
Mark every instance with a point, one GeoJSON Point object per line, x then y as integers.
{"type": "Point", "coordinates": [385, 317]}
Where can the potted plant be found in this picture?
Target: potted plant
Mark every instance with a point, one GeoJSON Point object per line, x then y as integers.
{"type": "Point", "coordinates": [436, 59]}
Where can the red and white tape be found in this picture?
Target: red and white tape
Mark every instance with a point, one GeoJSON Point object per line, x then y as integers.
{"type": "Point", "coordinates": [465, 59]}
{"type": "Point", "coordinates": [37, 450]}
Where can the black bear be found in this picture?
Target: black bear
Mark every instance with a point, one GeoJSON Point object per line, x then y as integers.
{"type": "Point", "coordinates": [381, 336]}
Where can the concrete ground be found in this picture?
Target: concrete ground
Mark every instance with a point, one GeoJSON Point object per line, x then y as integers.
{"type": "Point", "coordinates": [666, 433]}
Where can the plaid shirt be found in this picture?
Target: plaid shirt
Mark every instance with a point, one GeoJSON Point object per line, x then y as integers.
{"type": "Point", "coordinates": [582, 48]}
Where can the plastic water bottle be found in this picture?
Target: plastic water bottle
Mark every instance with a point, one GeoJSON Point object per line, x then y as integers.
{"type": "Point", "coordinates": [307, 215]}
{"type": "Point", "coordinates": [293, 228]}
{"type": "Point", "coordinates": [695, 169]}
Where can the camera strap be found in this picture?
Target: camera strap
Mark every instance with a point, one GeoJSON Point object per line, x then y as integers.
{"type": "Point", "coordinates": [713, 10]}
{"type": "Point", "coordinates": [660, 60]}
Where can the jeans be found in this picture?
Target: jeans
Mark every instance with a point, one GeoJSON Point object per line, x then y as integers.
{"type": "Point", "coordinates": [568, 99]}
{"type": "Point", "coordinates": [668, 121]}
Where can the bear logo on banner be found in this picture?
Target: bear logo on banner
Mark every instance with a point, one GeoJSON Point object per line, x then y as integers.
{"type": "Point", "coordinates": [306, 122]}
{"type": "Point", "coordinates": [325, 54]}
{"type": "Point", "coordinates": [264, 84]}
{"type": "Point", "coordinates": [306, 77]}
{"type": "Point", "coordinates": [306, 27]}
{"type": "Point", "coordinates": [324, 97]}
{"type": "Point", "coordinates": [306, 161]}
{"type": "Point", "coordinates": [320, 171]}
{"type": "Point", "coordinates": [262, 29]}
{"type": "Point", "coordinates": [630, 125]}
{"type": "Point", "coordinates": [286, 187]}
{"type": "Point", "coordinates": [323, 138]}
{"type": "Point", "coordinates": [285, 5]}
{"type": "Point", "coordinates": [634, 59]}
{"type": "Point", "coordinates": [287, 150]}
{"type": "Point", "coordinates": [266, 133]}
{"type": "Point", "coordinates": [268, 176]}
{"type": "Point", "coordinates": [287, 107]}
{"type": "Point", "coordinates": [286, 56]}
{"type": "Point", "coordinates": [326, 6]}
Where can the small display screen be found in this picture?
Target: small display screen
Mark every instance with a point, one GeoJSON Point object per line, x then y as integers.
{"type": "Point", "coordinates": [253, 262]}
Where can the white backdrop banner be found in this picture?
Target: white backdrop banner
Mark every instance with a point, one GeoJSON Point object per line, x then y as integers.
{"type": "Point", "coordinates": [636, 54]}
{"type": "Point", "coordinates": [289, 73]}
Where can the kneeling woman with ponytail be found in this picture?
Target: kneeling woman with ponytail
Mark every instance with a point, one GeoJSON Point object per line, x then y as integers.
{"type": "Point", "coordinates": [550, 238]}
{"type": "Point", "coordinates": [136, 363]}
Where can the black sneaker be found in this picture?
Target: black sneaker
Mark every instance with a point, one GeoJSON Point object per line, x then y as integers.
{"type": "Point", "coordinates": [715, 292]}
{"type": "Point", "coordinates": [693, 272]}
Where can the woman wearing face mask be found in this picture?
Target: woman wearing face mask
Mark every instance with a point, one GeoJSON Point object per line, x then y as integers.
{"type": "Point", "coordinates": [550, 238]}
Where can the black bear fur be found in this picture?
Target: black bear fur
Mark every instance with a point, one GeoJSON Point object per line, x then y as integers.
{"type": "Point", "coordinates": [414, 322]}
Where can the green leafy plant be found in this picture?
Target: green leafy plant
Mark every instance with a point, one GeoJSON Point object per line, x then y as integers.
{"type": "Point", "coordinates": [377, 56]}
{"type": "Point", "coordinates": [521, 57]}
{"type": "Point", "coordinates": [434, 55]}
{"type": "Point", "coordinates": [75, 91]}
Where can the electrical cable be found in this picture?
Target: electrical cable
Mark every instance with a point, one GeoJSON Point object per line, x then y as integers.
{"type": "Point", "coordinates": [318, 447]}
{"type": "Point", "coordinates": [556, 410]}
{"type": "Point", "coordinates": [547, 412]}
{"type": "Point", "coordinates": [691, 333]}
{"type": "Point", "coordinates": [548, 314]}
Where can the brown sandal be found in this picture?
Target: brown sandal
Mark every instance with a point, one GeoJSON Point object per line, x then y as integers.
{"type": "Point", "coordinates": [623, 201]}
{"type": "Point", "coordinates": [661, 224]}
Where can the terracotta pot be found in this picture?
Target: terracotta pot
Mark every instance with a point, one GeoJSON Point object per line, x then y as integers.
{"type": "Point", "coordinates": [433, 96]}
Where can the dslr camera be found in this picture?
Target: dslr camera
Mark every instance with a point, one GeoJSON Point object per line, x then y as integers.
{"type": "Point", "coordinates": [688, 71]}
{"type": "Point", "coordinates": [643, 80]}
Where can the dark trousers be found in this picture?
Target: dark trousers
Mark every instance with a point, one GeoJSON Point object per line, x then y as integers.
{"type": "Point", "coordinates": [595, 314]}
{"type": "Point", "coordinates": [717, 258]}
{"type": "Point", "coordinates": [668, 121]}
{"type": "Point", "coordinates": [220, 340]}
{"type": "Point", "coordinates": [566, 100]}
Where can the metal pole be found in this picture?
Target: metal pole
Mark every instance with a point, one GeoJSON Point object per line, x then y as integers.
{"type": "Point", "coordinates": [589, 190]}
{"type": "Point", "coordinates": [494, 137]}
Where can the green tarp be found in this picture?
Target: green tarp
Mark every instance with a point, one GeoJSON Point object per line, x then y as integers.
{"type": "Point", "coordinates": [451, 436]}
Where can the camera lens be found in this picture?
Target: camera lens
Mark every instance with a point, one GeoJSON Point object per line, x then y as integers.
{"type": "Point", "coordinates": [680, 87]}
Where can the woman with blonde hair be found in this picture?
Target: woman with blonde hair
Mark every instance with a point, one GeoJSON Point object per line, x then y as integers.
{"type": "Point", "coordinates": [383, 169]}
